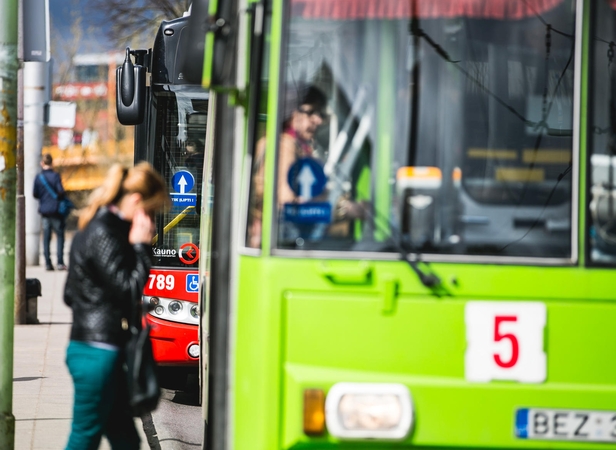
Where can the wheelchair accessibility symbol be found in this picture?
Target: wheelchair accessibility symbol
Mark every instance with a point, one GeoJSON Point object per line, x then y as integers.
{"type": "Point", "coordinates": [192, 283]}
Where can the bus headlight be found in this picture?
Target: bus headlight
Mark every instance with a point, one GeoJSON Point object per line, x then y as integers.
{"type": "Point", "coordinates": [369, 410]}
{"type": "Point", "coordinates": [194, 311]}
{"type": "Point", "coordinates": [175, 307]}
{"type": "Point", "coordinates": [180, 311]}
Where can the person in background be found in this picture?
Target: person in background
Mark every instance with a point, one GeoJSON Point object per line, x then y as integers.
{"type": "Point", "coordinates": [109, 264]}
{"type": "Point", "coordinates": [304, 113]}
{"type": "Point", "coordinates": [48, 209]}
{"type": "Point", "coordinates": [194, 154]}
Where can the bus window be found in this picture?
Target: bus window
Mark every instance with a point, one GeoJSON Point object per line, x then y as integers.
{"type": "Point", "coordinates": [426, 132]}
{"type": "Point", "coordinates": [180, 115]}
{"type": "Point", "coordinates": [255, 204]}
{"type": "Point", "coordinates": [602, 135]}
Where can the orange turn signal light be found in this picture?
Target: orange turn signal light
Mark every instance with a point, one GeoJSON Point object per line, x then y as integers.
{"type": "Point", "coordinates": [314, 411]}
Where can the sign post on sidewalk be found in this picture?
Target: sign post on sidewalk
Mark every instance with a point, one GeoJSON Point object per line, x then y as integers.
{"type": "Point", "coordinates": [8, 181]}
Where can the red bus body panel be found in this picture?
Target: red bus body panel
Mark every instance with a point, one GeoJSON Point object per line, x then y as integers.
{"type": "Point", "coordinates": [170, 340]}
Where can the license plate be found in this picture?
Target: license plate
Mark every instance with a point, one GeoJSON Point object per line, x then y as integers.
{"type": "Point", "coordinates": [566, 425]}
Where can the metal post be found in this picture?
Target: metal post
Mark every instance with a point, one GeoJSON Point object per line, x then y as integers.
{"type": "Point", "coordinates": [35, 75]}
{"type": "Point", "coordinates": [8, 179]}
{"type": "Point", "coordinates": [20, 255]}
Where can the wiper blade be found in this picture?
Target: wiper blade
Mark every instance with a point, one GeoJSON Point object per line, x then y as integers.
{"type": "Point", "coordinates": [429, 279]}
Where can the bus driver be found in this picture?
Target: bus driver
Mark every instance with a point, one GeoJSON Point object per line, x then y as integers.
{"type": "Point", "coordinates": [304, 113]}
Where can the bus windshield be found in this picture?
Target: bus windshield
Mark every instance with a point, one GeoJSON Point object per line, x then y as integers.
{"type": "Point", "coordinates": [440, 132]}
{"type": "Point", "coordinates": [178, 118]}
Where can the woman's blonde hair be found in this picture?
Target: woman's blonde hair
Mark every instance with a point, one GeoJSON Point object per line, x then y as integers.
{"type": "Point", "coordinates": [120, 181]}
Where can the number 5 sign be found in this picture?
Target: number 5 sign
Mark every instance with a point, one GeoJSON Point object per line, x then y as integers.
{"type": "Point", "coordinates": [504, 341]}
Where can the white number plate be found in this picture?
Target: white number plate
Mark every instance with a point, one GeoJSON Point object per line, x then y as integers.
{"type": "Point", "coordinates": [505, 341]}
{"type": "Point", "coordinates": [566, 425]}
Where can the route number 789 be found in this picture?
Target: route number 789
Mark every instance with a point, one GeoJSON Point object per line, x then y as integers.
{"type": "Point", "coordinates": [504, 341]}
{"type": "Point", "coordinates": [161, 282]}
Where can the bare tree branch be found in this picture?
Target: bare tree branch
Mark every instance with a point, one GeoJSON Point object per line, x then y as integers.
{"type": "Point", "coordinates": [137, 20]}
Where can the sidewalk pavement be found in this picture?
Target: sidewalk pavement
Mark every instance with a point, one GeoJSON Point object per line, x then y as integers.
{"type": "Point", "coordinates": [42, 386]}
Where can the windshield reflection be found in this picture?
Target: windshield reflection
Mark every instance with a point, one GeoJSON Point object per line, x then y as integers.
{"type": "Point", "coordinates": [448, 135]}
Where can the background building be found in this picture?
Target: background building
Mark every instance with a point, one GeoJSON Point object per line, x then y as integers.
{"type": "Point", "coordinates": [83, 154]}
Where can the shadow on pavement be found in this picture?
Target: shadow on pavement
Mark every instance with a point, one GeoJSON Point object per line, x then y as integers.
{"type": "Point", "coordinates": [189, 394]}
{"type": "Point", "coordinates": [186, 398]}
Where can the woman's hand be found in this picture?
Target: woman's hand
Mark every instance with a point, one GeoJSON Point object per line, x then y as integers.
{"type": "Point", "coordinates": [142, 229]}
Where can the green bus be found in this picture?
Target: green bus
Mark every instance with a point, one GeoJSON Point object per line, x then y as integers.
{"type": "Point", "coordinates": [412, 240]}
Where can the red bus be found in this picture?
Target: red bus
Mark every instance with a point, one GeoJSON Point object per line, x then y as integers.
{"type": "Point", "coordinates": [170, 119]}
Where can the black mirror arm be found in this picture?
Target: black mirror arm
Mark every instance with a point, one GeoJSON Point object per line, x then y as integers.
{"type": "Point", "coordinates": [140, 56]}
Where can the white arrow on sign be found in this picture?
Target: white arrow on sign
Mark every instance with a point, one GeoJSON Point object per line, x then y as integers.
{"type": "Point", "coordinates": [306, 179]}
{"type": "Point", "coordinates": [182, 184]}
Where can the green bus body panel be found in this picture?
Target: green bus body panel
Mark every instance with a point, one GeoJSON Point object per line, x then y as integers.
{"type": "Point", "coordinates": [208, 55]}
{"type": "Point", "coordinates": [583, 165]}
{"type": "Point", "coordinates": [208, 49]}
{"type": "Point", "coordinates": [450, 412]}
{"type": "Point", "coordinates": [311, 323]}
{"type": "Point", "coordinates": [315, 323]}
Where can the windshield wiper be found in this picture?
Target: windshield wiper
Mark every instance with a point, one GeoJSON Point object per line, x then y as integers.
{"type": "Point", "coordinates": [411, 256]}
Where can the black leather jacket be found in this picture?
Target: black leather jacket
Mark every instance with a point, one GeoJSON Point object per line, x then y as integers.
{"type": "Point", "coordinates": [102, 266]}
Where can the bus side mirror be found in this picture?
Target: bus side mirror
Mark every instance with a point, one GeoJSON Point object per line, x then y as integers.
{"type": "Point", "coordinates": [130, 92]}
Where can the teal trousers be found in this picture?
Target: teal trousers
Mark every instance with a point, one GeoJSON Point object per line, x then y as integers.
{"type": "Point", "coordinates": [100, 404]}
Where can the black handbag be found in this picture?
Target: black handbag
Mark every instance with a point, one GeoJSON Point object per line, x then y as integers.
{"type": "Point", "coordinates": [142, 379]}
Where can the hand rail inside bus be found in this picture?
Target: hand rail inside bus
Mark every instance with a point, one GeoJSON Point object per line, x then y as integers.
{"type": "Point", "coordinates": [340, 172]}
{"type": "Point", "coordinates": [177, 219]}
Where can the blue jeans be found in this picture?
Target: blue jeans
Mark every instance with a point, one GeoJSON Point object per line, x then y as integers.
{"type": "Point", "coordinates": [56, 223]}
{"type": "Point", "coordinates": [101, 403]}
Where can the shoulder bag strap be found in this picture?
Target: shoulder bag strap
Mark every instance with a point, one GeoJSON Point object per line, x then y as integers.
{"type": "Point", "coordinates": [137, 307]}
{"type": "Point", "coordinates": [48, 187]}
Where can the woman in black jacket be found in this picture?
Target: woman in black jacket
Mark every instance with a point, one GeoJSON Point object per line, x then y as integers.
{"type": "Point", "coordinates": [110, 257]}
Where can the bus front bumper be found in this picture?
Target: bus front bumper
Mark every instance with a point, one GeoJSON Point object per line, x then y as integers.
{"type": "Point", "coordinates": [173, 343]}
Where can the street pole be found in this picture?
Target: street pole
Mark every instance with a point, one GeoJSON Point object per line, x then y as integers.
{"type": "Point", "coordinates": [35, 81]}
{"type": "Point", "coordinates": [20, 255]}
{"type": "Point", "coordinates": [8, 179]}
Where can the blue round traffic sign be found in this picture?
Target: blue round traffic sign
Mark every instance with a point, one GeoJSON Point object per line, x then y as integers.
{"type": "Point", "coordinates": [306, 178]}
{"type": "Point", "coordinates": [183, 182]}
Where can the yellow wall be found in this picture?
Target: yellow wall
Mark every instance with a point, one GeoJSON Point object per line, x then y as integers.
{"type": "Point", "coordinates": [83, 169]}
